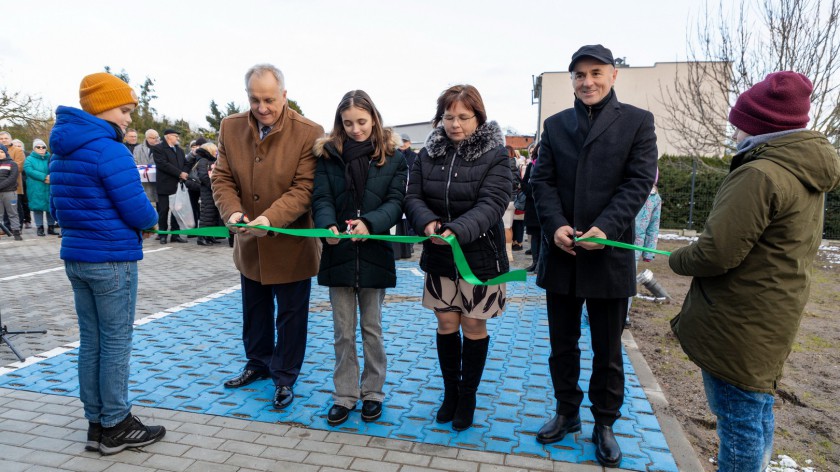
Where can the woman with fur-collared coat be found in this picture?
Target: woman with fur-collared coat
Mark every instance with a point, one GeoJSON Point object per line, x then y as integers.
{"type": "Point", "coordinates": [359, 189]}
{"type": "Point", "coordinates": [460, 185]}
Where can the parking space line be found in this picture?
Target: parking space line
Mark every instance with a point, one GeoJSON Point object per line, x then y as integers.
{"type": "Point", "coordinates": [156, 316]}
{"type": "Point", "coordinates": [45, 271]}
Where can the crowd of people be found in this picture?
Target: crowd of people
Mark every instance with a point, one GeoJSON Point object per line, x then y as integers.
{"type": "Point", "coordinates": [592, 175]}
{"type": "Point", "coordinates": [25, 188]}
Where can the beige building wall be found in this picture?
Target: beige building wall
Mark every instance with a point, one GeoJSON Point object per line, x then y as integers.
{"type": "Point", "coordinates": [644, 87]}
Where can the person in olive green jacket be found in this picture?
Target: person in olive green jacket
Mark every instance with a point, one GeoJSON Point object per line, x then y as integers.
{"type": "Point", "coordinates": [752, 263]}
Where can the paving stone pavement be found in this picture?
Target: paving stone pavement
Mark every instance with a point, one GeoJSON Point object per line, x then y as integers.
{"type": "Point", "coordinates": [210, 428]}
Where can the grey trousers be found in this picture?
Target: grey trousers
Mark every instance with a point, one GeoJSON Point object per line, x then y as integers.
{"type": "Point", "coordinates": [346, 376]}
{"type": "Point", "coordinates": [8, 202]}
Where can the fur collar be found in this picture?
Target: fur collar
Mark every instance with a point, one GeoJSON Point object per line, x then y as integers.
{"type": "Point", "coordinates": [320, 148]}
{"type": "Point", "coordinates": [486, 137]}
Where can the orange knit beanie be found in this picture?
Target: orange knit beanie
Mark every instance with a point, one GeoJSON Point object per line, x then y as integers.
{"type": "Point", "coordinates": [102, 91]}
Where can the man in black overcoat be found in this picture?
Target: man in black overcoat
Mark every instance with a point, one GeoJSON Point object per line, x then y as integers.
{"type": "Point", "coordinates": [596, 167]}
{"type": "Point", "coordinates": [171, 168]}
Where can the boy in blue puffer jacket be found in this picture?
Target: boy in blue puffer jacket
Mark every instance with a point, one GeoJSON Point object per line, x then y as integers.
{"type": "Point", "coordinates": [97, 198]}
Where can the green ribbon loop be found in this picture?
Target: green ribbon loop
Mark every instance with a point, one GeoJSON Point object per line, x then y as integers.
{"type": "Point", "coordinates": [607, 242]}
{"type": "Point", "coordinates": [457, 254]}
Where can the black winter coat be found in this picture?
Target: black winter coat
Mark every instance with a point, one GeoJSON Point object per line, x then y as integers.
{"type": "Point", "coordinates": [209, 212]}
{"type": "Point", "coordinates": [467, 189]}
{"type": "Point", "coordinates": [169, 165]}
{"type": "Point", "coordinates": [589, 174]}
{"type": "Point", "coordinates": [530, 219]}
{"type": "Point", "coordinates": [364, 264]}
{"type": "Point", "coordinates": [8, 173]}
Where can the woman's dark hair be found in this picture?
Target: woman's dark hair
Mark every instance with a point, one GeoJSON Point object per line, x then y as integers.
{"type": "Point", "coordinates": [383, 145]}
{"type": "Point", "coordinates": [466, 94]}
{"type": "Point", "coordinates": [509, 150]}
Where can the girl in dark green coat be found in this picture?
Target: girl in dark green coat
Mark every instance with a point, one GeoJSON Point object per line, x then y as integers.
{"type": "Point", "coordinates": [359, 189]}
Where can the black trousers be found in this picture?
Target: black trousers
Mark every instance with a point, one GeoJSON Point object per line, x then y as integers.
{"type": "Point", "coordinates": [163, 211]}
{"type": "Point", "coordinates": [284, 358]}
{"type": "Point", "coordinates": [606, 323]}
{"type": "Point", "coordinates": [195, 195]}
{"type": "Point", "coordinates": [536, 241]}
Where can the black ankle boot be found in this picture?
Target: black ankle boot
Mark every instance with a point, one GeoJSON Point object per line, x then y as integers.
{"type": "Point", "coordinates": [40, 231]}
{"type": "Point", "coordinates": [607, 450]}
{"type": "Point", "coordinates": [449, 356]}
{"type": "Point", "coordinates": [473, 359]}
{"type": "Point", "coordinates": [51, 230]}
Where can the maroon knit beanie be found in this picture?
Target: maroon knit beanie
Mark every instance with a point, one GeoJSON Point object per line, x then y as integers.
{"type": "Point", "coordinates": [779, 102]}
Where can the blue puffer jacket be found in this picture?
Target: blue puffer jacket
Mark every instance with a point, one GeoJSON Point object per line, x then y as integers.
{"type": "Point", "coordinates": [95, 191]}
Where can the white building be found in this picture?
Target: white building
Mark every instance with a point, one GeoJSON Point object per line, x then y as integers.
{"type": "Point", "coordinates": [644, 87]}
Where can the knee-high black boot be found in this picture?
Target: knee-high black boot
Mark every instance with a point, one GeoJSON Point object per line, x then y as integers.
{"type": "Point", "coordinates": [449, 356]}
{"type": "Point", "coordinates": [473, 359]}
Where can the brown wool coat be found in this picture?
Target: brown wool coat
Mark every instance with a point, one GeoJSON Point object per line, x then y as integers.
{"type": "Point", "coordinates": [17, 155]}
{"type": "Point", "coordinates": [273, 178]}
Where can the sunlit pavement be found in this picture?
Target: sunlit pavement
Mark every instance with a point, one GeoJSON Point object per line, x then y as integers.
{"type": "Point", "coordinates": [183, 354]}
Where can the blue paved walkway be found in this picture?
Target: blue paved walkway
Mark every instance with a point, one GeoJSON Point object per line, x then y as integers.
{"type": "Point", "coordinates": [180, 361]}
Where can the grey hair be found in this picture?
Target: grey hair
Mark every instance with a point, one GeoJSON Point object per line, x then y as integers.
{"type": "Point", "coordinates": [151, 131]}
{"type": "Point", "coordinates": [5, 133]}
{"type": "Point", "coordinates": [18, 141]}
{"type": "Point", "coordinates": [259, 69]}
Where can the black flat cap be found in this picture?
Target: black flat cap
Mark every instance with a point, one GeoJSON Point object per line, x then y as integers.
{"type": "Point", "coordinates": [596, 51]}
{"type": "Point", "coordinates": [171, 131]}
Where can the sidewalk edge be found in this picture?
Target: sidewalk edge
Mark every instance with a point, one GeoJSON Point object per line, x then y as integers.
{"type": "Point", "coordinates": [684, 454]}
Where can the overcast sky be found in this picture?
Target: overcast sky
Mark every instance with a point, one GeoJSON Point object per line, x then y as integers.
{"type": "Point", "coordinates": [403, 53]}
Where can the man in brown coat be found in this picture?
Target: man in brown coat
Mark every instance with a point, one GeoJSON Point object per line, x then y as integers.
{"type": "Point", "coordinates": [264, 177]}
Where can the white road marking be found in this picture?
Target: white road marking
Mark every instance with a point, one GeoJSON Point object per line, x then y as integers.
{"type": "Point", "coordinates": [45, 271]}
{"type": "Point", "coordinates": [68, 347]}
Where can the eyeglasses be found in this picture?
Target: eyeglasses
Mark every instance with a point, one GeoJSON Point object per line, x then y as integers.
{"type": "Point", "coordinates": [40, 147]}
{"type": "Point", "coordinates": [460, 118]}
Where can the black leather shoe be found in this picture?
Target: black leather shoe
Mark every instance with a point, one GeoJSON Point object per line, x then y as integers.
{"type": "Point", "coordinates": [557, 428]}
{"type": "Point", "coordinates": [338, 414]}
{"type": "Point", "coordinates": [177, 239]}
{"type": "Point", "coordinates": [163, 238]}
{"type": "Point", "coordinates": [283, 397]}
{"type": "Point", "coordinates": [606, 447]}
{"type": "Point", "coordinates": [531, 268]}
{"type": "Point", "coordinates": [371, 410]}
{"type": "Point", "coordinates": [245, 377]}
{"type": "Point", "coordinates": [203, 242]}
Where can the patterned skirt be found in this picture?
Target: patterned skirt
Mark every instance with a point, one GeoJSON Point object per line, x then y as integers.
{"type": "Point", "coordinates": [443, 294]}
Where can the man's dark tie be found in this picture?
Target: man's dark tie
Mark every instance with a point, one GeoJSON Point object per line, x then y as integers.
{"type": "Point", "coordinates": [264, 131]}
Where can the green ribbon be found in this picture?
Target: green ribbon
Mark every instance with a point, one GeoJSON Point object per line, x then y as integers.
{"type": "Point", "coordinates": [607, 242]}
{"type": "Point", "coordinates": [457, 254]}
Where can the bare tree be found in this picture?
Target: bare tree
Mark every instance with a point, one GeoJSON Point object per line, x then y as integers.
{"type": "Point", "coordinates": [730, 50]}
{"type": "Point", "coordinates": [21, 110]}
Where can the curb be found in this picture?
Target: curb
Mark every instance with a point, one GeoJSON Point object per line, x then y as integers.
{"type": "Point", "coordinates": [684, 454]}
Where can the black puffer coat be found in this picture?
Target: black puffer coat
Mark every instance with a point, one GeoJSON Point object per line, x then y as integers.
{"type": "Point", "coordinates": [467, 188]}
{"type": "Point", "coordinates": [365, 264]}
{"type": "Point", "coordinates": [531, 220]}
{"type": "Point", "coordinates": [209, 212]}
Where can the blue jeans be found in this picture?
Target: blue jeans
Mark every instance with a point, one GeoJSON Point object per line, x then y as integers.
{"type": "Point", "coordinates": [39, 218]}
{"type": "Point", "coordinates": [744, 425]}
{"type": "Point", "coordinates": [105, 295]}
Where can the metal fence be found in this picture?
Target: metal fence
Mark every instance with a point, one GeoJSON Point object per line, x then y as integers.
{"type": "Point", "coordinates": [677, 211]}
